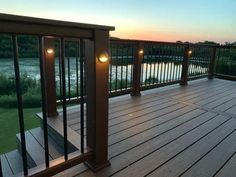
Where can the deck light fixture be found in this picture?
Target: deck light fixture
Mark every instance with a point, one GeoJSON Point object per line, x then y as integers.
{"type": "Point", "coordinates": [190, 52]}
{"type": "Point", "coordinates": [50, 51]}
{"type": "Point", "coordinates": [141, 52]}
{"type": "Point", "coordinates": [103, 57]}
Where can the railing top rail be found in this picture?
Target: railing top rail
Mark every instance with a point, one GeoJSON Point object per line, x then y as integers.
{"type": "Point", "coordinates": [39, 26]}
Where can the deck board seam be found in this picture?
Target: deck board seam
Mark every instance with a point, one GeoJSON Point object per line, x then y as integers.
{"type": "Point", "coordinates": [202, 107]}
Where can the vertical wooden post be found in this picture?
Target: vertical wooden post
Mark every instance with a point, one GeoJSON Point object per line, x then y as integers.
{"type": "Point", "coordinates": [50, 82]}
{"type": "Point", "coordinates": [184, 74]}
{"type": "Point", "coordinates": [97, 99]}
{"type": "Point", "coordinates": [138, 59]}
{"type": "Point", "coordinates": [212, 63]}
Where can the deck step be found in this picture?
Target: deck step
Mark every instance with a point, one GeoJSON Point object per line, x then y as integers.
{"type": "Point", "coordinates": [11, 163]}
{"type": "Point", "coordinates": [35, 147]}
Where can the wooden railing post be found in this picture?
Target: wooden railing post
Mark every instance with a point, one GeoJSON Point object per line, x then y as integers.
{"type": "Point", "coordinates": [138, 59]}
{"type": "Point", "coordinates": [97, 85]}
{"type": "Point", "coordinates": [185, 66]}
{"type": "Point", "coordinates": [212, 64]}
{"type": "Point", "coordinates": [50, 82]}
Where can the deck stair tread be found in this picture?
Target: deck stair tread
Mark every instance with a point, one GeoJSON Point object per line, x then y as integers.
{"type": "Point", "coordinates": [35, 147]}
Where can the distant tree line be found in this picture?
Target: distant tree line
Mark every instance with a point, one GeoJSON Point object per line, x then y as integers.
{"type": "Point", "coordinates": [28, 47]}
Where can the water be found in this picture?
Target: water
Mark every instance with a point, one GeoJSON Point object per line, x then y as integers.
{"type": "Point", "coordinates": [160, 71]}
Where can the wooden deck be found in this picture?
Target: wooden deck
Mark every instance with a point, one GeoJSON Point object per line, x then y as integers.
{"type": "Point", "coordinates": [171, 131]}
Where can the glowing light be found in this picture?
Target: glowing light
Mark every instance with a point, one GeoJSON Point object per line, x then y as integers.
{"type": "Point", "coordinates": [50, 51]}
{"type": "Point", "coordinates": [103, 57]}
{"type": "Point", "coordinates": [141, 52]}
{"type": "Point", "coordinates": [190, 52]}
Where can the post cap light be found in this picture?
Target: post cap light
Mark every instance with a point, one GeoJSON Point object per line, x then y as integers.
{"type": "Point", "coordinates": [141, 51]}
{"type": "Point", "coordinates": [49, 51]}
{"type": "Point", "coordinates": [190, 52]}
{"type": "Point", "coordinates": [103, 57]}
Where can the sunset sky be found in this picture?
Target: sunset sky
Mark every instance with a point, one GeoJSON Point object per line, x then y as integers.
{"type": "Point", "coordinates": [162, 20]}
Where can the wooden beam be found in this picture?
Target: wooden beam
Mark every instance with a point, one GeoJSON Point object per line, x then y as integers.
{"type": "Point", "coordinates": [50, 82]}
{"type": "Point", "coordinates": [97, 99]}
{"type": "Point", "coordinates": [185, 66]}
{"type": "Point", "coordinates": [212, 64]}
{"type": "Point", "coordinates": [138, 59]}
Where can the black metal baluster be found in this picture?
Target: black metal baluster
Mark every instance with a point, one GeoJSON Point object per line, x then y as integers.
{"type": "Point", "coordinates": [60, 77]}
{"type": "Point", "coordinates": [181, 62]}
{"type": "Point", "coordinates": [162, 53]}
{"type": "Point", "coordinates": [116, 63]}
{"type": "Point", "coordinates": [20, 104]}
{"type": "Point", "coordinates": [1, 173]}
{"type": "Point", "coordinates": [154, 61]}
{"type": "Point", "coordinates": [62, 51]}
{"type": "Point", "coordinates": [142, 83]}
{"type": "Point", "coordinates": [175, 64]}
{"type": "Point", "coordinates": [167, 63]}
{"type": "Point", "coordinates": [44, 107]}
{"type": "Point", "coordinates": [172, 63]}
{"type": "Point", "coordinates": [127, 65]}
{"type": "Point", "coordinates": [165, 54]}
{"type": "Point", "coordinates": [122, 65]}
{"type": "Point", "coordinates": [68, 68]}
{"type": "Point", "coordinates": [146, 72]}
{"type": "Point", "coordinates": [110, 69]}
{"type": "Point", "coordinates": [150, 58]}
{"type": "Point", "coordinates": [77, 70]}
{"type": "Point", "coordinates": [82, 95]}
{"type": "Point", "coordinates": [158, 64]}
{"type": "Point", "coordinates": [132, 67]}
{"type": "Point", "coordinates": [191, 63]}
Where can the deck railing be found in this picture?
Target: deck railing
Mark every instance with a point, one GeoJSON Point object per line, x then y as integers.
{"type": "Point", "coordinates": [160, 64]}
{"type": "Point", "coordinates": [226, 62]}
{"type": "Point", "coordinates": [90, 42]}
{"type": "Point", "coordinates": [138, 65]}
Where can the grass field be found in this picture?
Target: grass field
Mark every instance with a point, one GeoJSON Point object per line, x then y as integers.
{"type": "Point", "coordinates": [9, 126]}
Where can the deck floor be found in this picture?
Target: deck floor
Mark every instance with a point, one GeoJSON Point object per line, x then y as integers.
{"type": "Point", "coordinates": [171, 131]}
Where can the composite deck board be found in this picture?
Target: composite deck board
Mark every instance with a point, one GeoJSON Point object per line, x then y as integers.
{"type": "Point", "coordinates": [208, 99]}
{"type": "Point", "coordinates": [148, 127]}
{"type": "Point", "coordinates": [15, 161]}
{"type": "Point", "coordinates": [209, 94]}
{"type": "Point", "coordinates": [34, 149]}
{"type": "Point", "coordinates": [154, 143]}
{"type": "Point", "coordinates": [229, 104]}
{"type": "Point", "coordinates": [179, 164]}
{"type": "Point", "coordinates": [137, 108]}
{"type": "Point", "coordinates": [229, 168]}
{"type": "Point", "coordinates": [150, 162]}
{"type": "Point", "coordinates": [144, 136]}
{"type": "Point", "coordinates": [195, 85]}
{"type": "Point", "coordinates": [148, 117]}
{"type": "Point", "coordinates": [6, 168]}
{"type": "Point", "coordinates": [232, 110]}
{"type": "Point", "coordinates": [172, 131]}
{"type": "Point", "coordinates": [217, 157]}
{"type": "Point", "coordinates": [193, 93]}
{"type": "Point", "coordinates": [54, 150]}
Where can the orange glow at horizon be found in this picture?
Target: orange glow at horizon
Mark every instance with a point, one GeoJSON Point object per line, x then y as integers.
{"type": "Point", "coordinates": [166, 36]}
